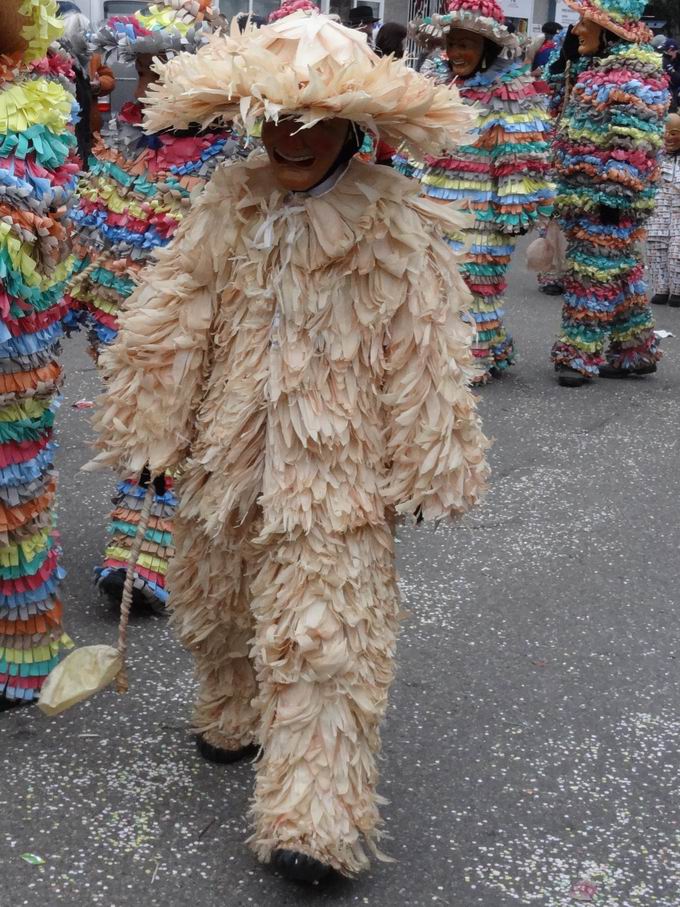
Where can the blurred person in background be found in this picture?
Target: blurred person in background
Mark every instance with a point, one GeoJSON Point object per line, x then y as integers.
{"type": "Point", "coordinates": [362, 18]}
{"type": "Point", "coordinates": [94, 79]}
{"type": "Point", "coordinates": [390, 40]}
{"type": "Point", "coordinates": [548, 45]}
{"type": "Point", "coordinates": [671, 66]}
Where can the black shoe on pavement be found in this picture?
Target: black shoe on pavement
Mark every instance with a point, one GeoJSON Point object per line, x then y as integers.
{"type": "Point", "coordinates": [569, 377]}
{"type": "Point", "coordinates": [674, 301]}
{"type": "Point", "coordinates": [224, 757]}
{"type": "Point", "coordinates": [112, 585]}
{"type": "Point", "coordinates": [552, 289]}
{"type": "Point", "coordinates": [610, 371]}
{"type": "Point", "coordinates": [299, 867]}
{"type": "Point", "coordinates": [6, 704]}
{"type": "Point", "coordinates": [659, 299]}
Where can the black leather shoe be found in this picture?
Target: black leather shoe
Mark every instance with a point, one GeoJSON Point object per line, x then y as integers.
{"type": "Point", "coordinates": [674, 301]}
{"type": "Point", "coordinates": [659, 299]}
{"type": "Point", "coordinates": [569, 377]}
{"type": "Point", "coordinates": [298, 867]}
{"type": "Point", "coordinates": [112, 585]}
{"type": "Point", "coordinates": [552, 289]}
{"type": "Point", "coordinates": [610, 371]}
{"type": "Point", "coordinates": [224, 757]}
{"type": "Point", "coordinates": [7, 704]}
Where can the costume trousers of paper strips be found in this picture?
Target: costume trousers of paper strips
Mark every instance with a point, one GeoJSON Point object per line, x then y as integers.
{"type": "Point", "coordinates": [484, 271]}
{"type": "Point", "coordinates": [294, 639]}
{"type": "Point", "coordinates": [606, 317]}
{"type": "Point", "coordinates": [663, 262]}
{"type": "Point", "coordinates": [157, 547]}
{"type": "Point", "coordinates": [31, 634]}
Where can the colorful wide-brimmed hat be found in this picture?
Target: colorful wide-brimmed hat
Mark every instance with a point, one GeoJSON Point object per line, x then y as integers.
{"type": "Point", "coordinates": [288, 7]}
{"type": "Point", "coordinates": [167, 27]}
{"type": "Point", "coordinates": [622, 17]}
{"type": "Point", "coordinates": [309, 67]}
{"type": "Point", "coordinates": [43, 26]}
{"type": "Point", "coordinates": [483, 17]}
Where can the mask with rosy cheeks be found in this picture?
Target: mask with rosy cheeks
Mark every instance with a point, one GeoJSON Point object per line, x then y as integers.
{"type": "Point", "coordinates": [589, 36]}
{"type": "Point", "coordinates": [672, 135]}
{"type": "Point", "coordinates": [465, 51]}
{"type": "Point", "coordinates": [11, 27]}
{"type": "Point", "coordinates": [301, 158]}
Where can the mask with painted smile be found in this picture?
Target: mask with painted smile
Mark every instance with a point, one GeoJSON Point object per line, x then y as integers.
{"type": "Point", "coordinates": [589, 36]}
{"type": "Point", "coordinates": [301, 158]}
{"type": "Point", "coordinates": [672, 136]}
{"type": "Point", "coordinates": [465, 51]}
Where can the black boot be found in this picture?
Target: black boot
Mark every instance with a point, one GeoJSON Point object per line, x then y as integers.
{"type": "Point", "coordinates": [552, 289]}
{"type": "Point", "coordinates": [674, 301]}
{"type": "Point", "coordinates": [611, 371]}
{"type": "Point", "coordinates": [569, 377]}
{"type": "Point", "coordinates": [6, 704]}
{"type": "Point", "coordinates": [112, 585]}
{"type": "Point", "coordinates": [224, 757]}
{"type": "Point", "coordinates": [659, 299]}
{"type": "Point", "coordinates": [299, 867]}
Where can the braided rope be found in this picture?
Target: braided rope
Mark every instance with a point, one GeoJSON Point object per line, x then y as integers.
{"type": "Point", "coordinates": [126, 602]}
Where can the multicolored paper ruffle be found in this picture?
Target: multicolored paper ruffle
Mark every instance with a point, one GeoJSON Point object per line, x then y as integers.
{"type": "Point", "coordinates": [131, 202]}
{"type": "Point", "coordinates": [606, 158]}
{"type": "Point", "coordinates": [503, 179]}
{"type": "Point", "coordinates": [38, 172]}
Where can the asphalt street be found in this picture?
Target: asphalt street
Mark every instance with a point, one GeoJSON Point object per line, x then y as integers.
{"type": "Point", "coordinates": [532, 745]}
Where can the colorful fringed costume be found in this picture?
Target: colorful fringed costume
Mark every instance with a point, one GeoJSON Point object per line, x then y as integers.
{"type": "Point", "coordinates": [302, 357]}
{"type": "Point", "coordinates": [38, 170]}
{"type": "Point", "coordinates": [129, 205]}
{"type": "Point", "coordinates": [501, 178]}
{"type": "Point", "coordinates": [663, 232]}
{"type": "Point", "coordinates": [606, 158]}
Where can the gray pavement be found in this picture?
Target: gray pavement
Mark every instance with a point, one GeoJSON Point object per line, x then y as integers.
{"type": "Point", "coordinates": [531, 750]}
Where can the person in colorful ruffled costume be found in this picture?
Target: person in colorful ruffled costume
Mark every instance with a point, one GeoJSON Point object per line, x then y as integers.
{"type": "Point", "coordinates": [501, 177]}
{"type": "Point", "coordinates": [305, 366]}
{"type": "Point", "coordinates": [663, 229]}
{"type": "Point", "coordinates": [606, 159]}
{"type": "Point", "coordinates": [137, 192]}
{"type": "Point", "coordinates": [38, 171]}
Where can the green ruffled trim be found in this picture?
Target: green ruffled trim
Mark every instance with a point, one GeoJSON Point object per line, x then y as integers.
{"type": "Point", "coordinates": [50, 149]}
{"type": "Point", "coordinates": [151, 535]}
{"type": "Point", "coordinates": [26, 429]}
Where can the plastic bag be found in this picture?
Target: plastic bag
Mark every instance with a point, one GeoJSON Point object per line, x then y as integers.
{"type": "Point", "coordinates": [547, 253]}
{"type": "Point", "coordinates": [79, 676]}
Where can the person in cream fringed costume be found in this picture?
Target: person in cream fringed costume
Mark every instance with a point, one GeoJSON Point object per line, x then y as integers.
{"type": "Point", "coordinates": [298, 354]}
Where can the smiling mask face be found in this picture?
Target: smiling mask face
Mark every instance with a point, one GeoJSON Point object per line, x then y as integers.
{"type": "Point", "coordinates": [465, 50]}
{"type": "Point", "coordinates": [301, 158]}
{"type": "Point", "coordinates": [672, 136]}
{"type": "Point", "coordinates": [589, 35]}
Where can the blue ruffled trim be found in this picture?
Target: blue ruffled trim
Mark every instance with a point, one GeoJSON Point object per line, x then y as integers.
{"type": "Point", "coordinates": [27, 344]}
{"type": "Point", "coordinates": [43, 593]}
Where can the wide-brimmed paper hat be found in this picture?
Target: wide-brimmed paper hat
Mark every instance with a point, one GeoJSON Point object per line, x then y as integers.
{"type": "Point", "coordinates": [621, 17]}
{"type": "Point", "coordinates": [167, 27]}
{"type": "Point", "coordinates": [311, 68]}
{"type": "Point", "coordinates": [483, 17]}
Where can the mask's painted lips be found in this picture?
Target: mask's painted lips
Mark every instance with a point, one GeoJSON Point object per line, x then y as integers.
{"type": "Point", "coordinates": [296, 160]}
